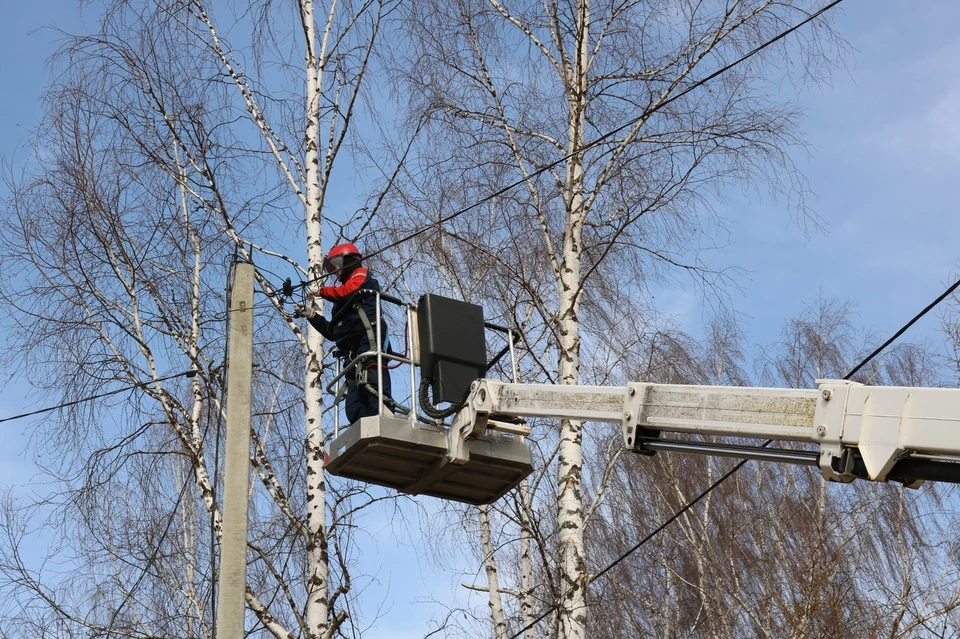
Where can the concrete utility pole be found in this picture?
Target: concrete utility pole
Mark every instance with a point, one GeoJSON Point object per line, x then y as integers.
{"type": "Point", "coordinates": [233, 546]}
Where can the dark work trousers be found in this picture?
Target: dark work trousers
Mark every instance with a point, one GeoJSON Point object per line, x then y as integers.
{"type": "Point", "coordinates": [361, 401]}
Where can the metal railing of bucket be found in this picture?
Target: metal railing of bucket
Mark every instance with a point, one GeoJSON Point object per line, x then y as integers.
{"type": "Point", "coordinates": [377, 351]}
{"type": "Point", "coordinates": [381, 355]}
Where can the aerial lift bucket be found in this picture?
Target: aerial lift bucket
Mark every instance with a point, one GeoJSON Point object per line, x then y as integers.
{"type": "Point", "coordinates": [421, 456]}
{"type": "Point", "coordinates": [413, 459]}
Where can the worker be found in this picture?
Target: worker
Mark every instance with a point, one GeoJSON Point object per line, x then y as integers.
{"type": "Point", "coordinates": [352, 327]}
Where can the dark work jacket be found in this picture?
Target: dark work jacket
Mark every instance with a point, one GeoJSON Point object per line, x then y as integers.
{"type": "Point", "coordinates": [345, 327]}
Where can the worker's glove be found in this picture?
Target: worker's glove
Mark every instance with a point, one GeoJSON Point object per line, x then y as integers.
{"type": "Point", "coordinates": [305, 310]}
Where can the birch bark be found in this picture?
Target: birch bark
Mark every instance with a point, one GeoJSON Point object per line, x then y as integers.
{"type": "Point", "coordinates": [573, 571]}
{"type": "Point", "coordinates": [317, 551]}
{"type": "Point", "coordinates": [493, 582]}
{"type": "Point", "coordinates": [526, 561]}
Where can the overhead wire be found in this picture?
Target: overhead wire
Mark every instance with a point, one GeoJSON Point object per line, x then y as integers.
{"type": "Point", "coordinates": [135, 386]}
{"type": "Point", "coordinates": [286, 290]}
{"type": "Point", "coordinates": [588, 146]}
{"type": "Point", "coordinates": [596, 142]}
{"type": "Point", "coordinates": [640, 543]}
{"type": "Point", "coordinates": [904, 328]}
{"type": "Point", "coordinates": [138, 385]}
{"type": "Point", "coordinates": [131, 387]}
{"type": "Point", "coordinates": [739, 465]}
{"type": "Point", "coordinates": [91, 398]}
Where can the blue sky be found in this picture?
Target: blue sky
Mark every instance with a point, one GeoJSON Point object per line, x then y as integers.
{"type": "Point", "coordinates": [883, 162]}
{"type": "Point", "coordinates": [24, 48]}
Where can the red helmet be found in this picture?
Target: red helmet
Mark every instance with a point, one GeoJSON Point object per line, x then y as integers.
{"type": "Point", "coordinates": [333, 262]}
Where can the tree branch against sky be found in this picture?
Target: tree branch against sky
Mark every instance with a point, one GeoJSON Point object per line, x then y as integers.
{"type": "Point", "coordinates": [141, 186]}
{"type": "Point", "coordinates": [506, 87]}
{"type": "Point", "coordinates": [176, 138]}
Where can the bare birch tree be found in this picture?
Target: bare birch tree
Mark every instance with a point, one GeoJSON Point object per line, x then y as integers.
{"type": "Point", "coordinates": [775, 551]}
{"type": "Point", "coordinates": [507, 88]}
{"type": "Point", "coordinates": [177, 136]}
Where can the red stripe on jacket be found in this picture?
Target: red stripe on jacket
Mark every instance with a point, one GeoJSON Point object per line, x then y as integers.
{"type": "Point", "coordinates": [353, 284]}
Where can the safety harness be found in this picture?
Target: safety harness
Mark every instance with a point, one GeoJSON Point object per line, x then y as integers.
{"type": "Point", "coordinates": [359, 375]}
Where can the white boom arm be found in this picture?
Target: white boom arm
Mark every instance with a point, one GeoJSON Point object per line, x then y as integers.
{"type": "Point", "coordinates": [871, 432]}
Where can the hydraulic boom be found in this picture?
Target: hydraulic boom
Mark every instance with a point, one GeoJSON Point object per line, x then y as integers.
{"type": "Point", "coordinates": [878, 433]}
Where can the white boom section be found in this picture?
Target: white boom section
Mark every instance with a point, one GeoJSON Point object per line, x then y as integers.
{"type": "Point", "coordinates": [848, 422]}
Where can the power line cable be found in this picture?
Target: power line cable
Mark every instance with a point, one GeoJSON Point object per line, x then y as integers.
{"type": "Point", "coordinates": [135, 386]}
{"type": "Point", "coordinates": [740, 464]}
{"type": "Point", "coordinates": [163, 536]}
{"type": "Point", "coordinates": [592, 144]}
{"type": "Point", "coordinates": [647, 113]}
{"type": "Point", "coordinates": [98, 396]}
{"type": "Point", "coordinates": [649, 536]}
{"type": "Point", "coordinates": [903, 329]}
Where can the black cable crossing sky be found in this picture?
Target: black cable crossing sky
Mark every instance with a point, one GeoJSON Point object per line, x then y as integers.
{"type": "Point", "coordinates": [904, 328]}
{"type": "Point", "coordinates": [950, 289]}
{"type": "Point", "coordinates": [90, 398]}
{"type": "Point", "coordinates": [183, 489]}
{"type": "Point", "coordinates": [603, 138]}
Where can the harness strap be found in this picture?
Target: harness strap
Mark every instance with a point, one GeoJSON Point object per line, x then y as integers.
{"type": "Point", "coordinates": [371, 334]}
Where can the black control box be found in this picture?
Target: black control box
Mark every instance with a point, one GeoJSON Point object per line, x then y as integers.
{"type": "Point", "coordinates": [453, 349]}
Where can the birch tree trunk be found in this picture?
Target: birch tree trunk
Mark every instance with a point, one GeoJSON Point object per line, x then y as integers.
{"type": "Point", "coordinates": [317, 552]}
{"type": "Point", "coordinates": [493, 582]}
{"type": "Point", "coordinates": [526, 561]}
{"type": "Point", "coordinates": [573, 565]}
